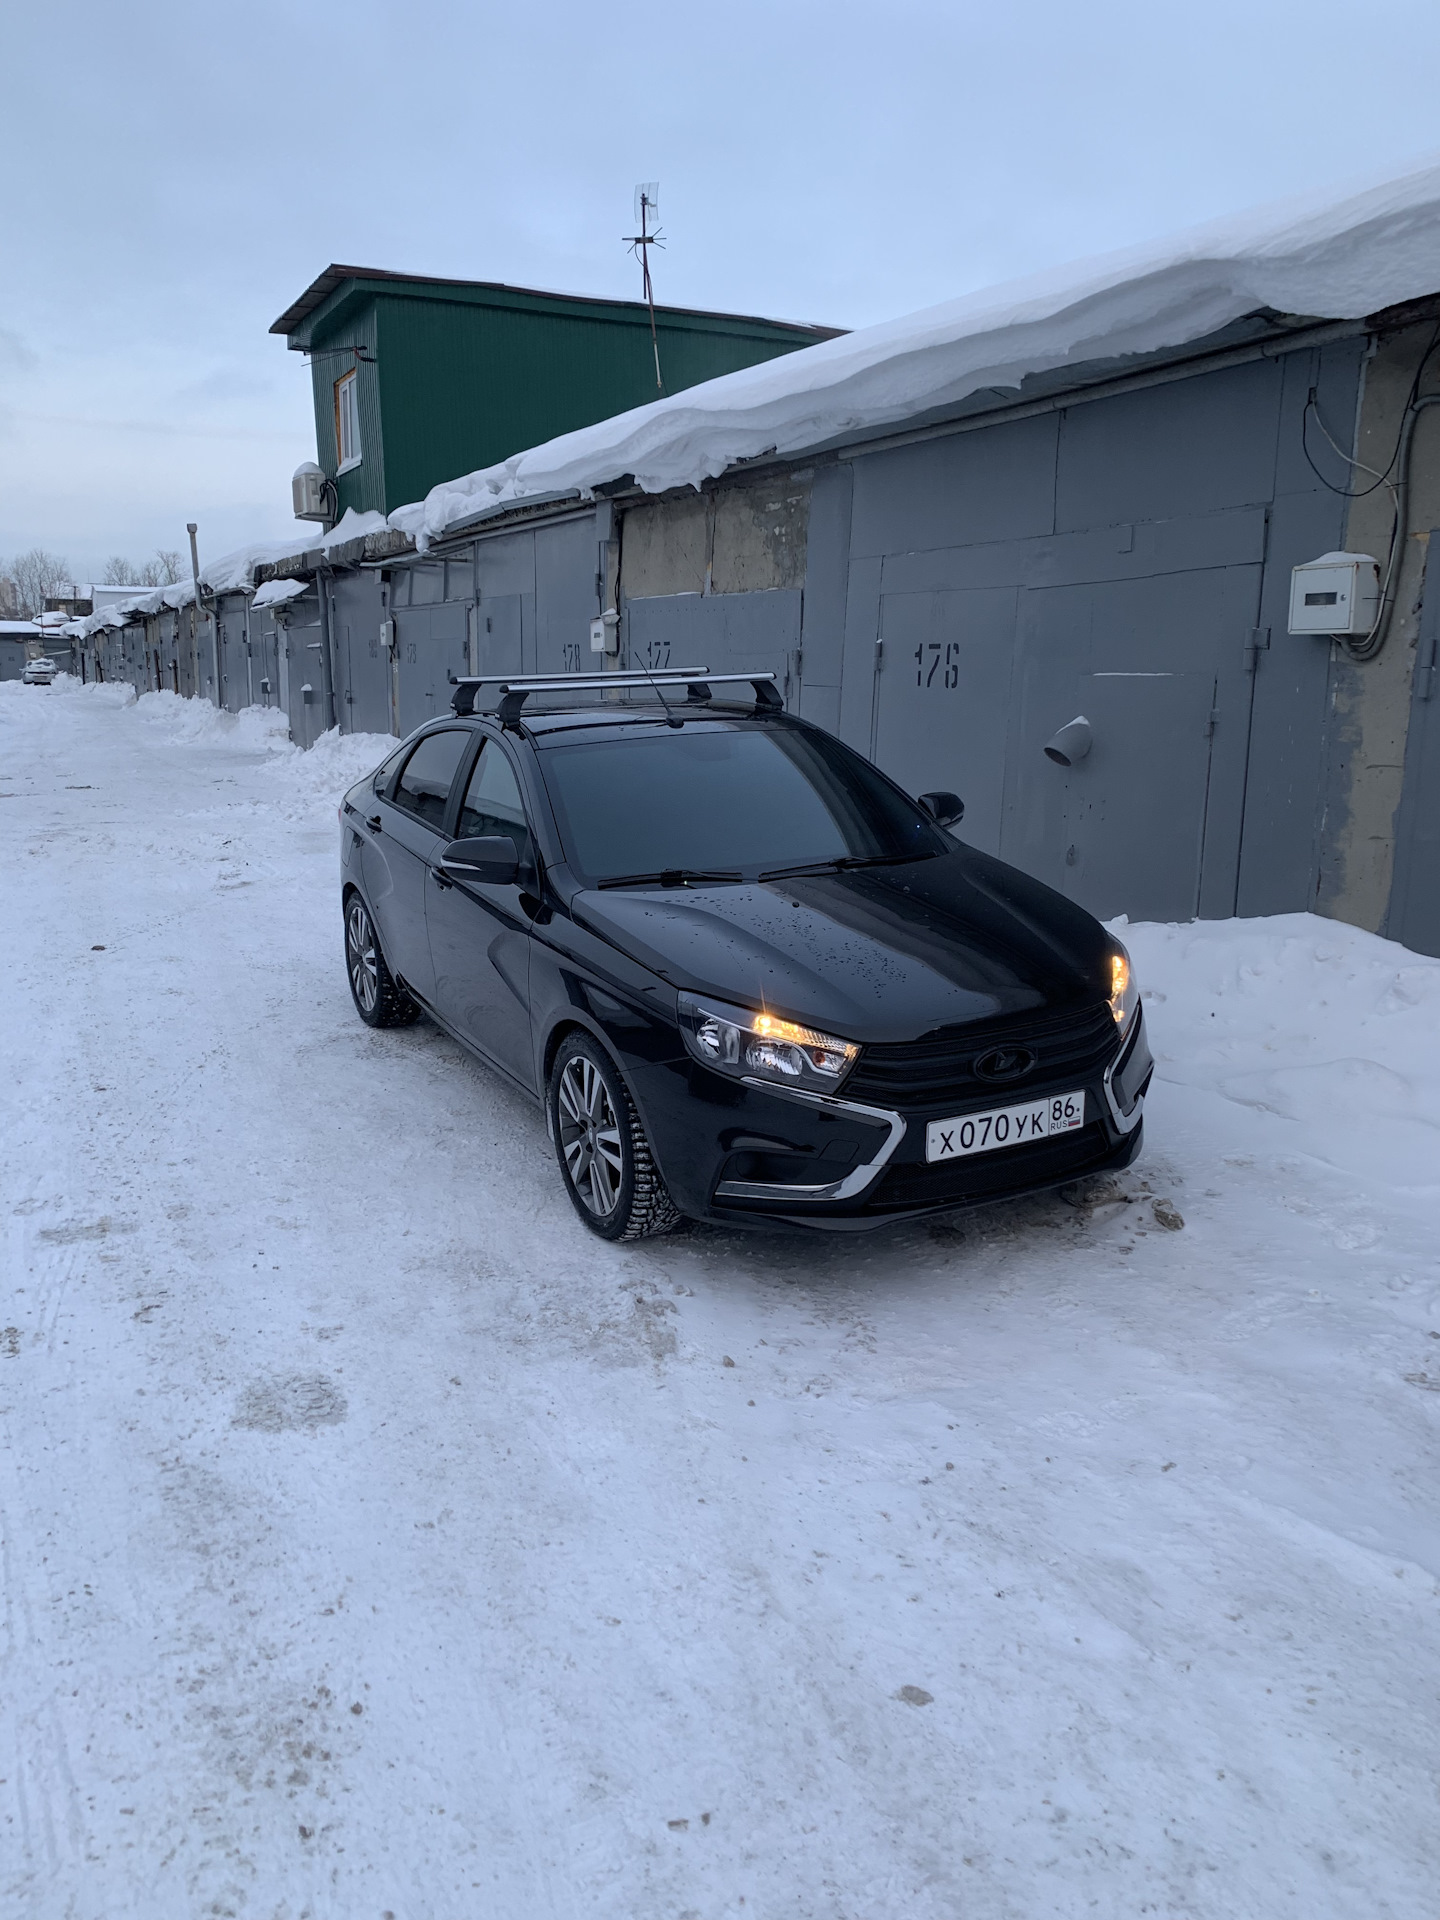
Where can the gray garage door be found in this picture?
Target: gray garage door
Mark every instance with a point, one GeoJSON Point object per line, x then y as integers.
{"type": "Point", "coordinates": [363, 666]}
{"type": "Point", "coordinates": [432, 649]}
{"type": "Point", "coordinates": [727, 632]}
{"type": "Point", "coordinates": [943, 691]}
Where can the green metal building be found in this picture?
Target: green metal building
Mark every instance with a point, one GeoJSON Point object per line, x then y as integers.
{"type": "Point", "coordinates": [419, 380]}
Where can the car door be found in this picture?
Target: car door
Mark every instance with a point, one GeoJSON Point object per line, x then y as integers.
{"type": "Point", "coordinates": [405, 831]}
{"type": "Point", "coordinates": [480, 935]}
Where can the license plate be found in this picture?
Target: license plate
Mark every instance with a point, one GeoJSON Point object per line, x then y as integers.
{"type": "Point", "coordinates": [1004, 1126]}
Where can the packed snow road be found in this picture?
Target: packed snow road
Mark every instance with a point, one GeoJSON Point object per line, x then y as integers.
{"type": "Point", "coordinates": [376, 1542]}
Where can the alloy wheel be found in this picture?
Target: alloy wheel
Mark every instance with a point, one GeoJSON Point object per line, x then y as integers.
{"type": "Point", "coordinates": [363, 958]}
{"type": "Point", "coordinates": [590, 1135]}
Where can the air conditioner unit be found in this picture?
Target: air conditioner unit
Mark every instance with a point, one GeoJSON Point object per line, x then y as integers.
{"type": "Point", "coordinates": [1338, 593]}
{"type": "Point", "coordinates": [307, 491]}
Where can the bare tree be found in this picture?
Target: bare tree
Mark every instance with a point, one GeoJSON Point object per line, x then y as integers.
{"type": "Point", "coordinates": [119, 572]}
{"type": "Point", "coordinates": [37, 576]}
{"type": "Point", "coordinates": [162, 571]}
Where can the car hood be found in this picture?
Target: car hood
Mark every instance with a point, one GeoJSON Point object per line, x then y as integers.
{"type": "Point", "coordinates": [873, 954]}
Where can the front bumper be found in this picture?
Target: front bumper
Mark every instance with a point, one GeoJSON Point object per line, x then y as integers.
{"type": "Point", "coordinates": [748, 1153]}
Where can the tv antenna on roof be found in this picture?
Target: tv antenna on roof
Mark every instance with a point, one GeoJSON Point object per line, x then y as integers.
{"type": "Point", "coordinates": [647, 218]}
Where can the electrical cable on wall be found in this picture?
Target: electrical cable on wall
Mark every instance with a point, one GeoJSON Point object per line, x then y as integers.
{"type": "Point", "coordinates": [1370, 645]}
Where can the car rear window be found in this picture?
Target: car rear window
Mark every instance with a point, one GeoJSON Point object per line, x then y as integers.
{"type": "Point", "coordinates": [725, 799]}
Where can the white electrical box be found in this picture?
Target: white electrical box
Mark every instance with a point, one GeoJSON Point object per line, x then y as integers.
{"type": "Point", "coordinates": [605, 633]}
{"type": "Point", "coordinates": [1338, 593]}
{"type": "Point", "coordinates": [307, 492]}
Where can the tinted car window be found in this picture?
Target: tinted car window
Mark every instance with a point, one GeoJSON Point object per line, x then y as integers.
{"type": "Point", "coordinates": [492, 802]}
{"type": "Point", "coordinates": [424, 786]}
{"type": "Point", "coordinates": [385, 771]}
{"type": "Point", "coordinates": [719, 798]}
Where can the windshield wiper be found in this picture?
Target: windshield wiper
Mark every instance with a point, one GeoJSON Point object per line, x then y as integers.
{"type": "Point", "coordinates": [671, 877]}
{"type": "Point", "coordinates": [843, 865]}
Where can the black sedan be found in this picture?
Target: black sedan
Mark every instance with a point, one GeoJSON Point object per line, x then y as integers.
{"type": "Point", "coordinates": [751, 980]}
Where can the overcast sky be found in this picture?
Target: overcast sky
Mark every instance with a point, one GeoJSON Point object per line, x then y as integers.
{"type": "Point", "coordinates": [175, 174]}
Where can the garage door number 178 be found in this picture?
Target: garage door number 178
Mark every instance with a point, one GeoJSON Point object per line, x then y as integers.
{"type": "Point", "coordinates": [946, 656]}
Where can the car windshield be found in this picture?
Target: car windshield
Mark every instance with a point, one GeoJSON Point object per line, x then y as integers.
{"type": "Point", "coordinates": [711, 802]}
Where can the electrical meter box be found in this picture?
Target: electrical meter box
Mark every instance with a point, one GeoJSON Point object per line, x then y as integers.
{"type": "Point", "coordinates": [605, 633]}
{"type": "Point", "coordinates": [1338, 593]}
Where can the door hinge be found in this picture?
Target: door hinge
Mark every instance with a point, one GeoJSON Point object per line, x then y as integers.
{"type": "Point", "coordinates": [1256, 641]}
{"type": "Point", "coordinates": [1210, 723]}
{"type": "Point", "coordinates": [879, 655]}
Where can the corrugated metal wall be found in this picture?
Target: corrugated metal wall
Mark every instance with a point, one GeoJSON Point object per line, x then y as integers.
{"type": "Point", "coordinates": [464, 385]}
{"type": "Point", "coordinates": [363, 487]}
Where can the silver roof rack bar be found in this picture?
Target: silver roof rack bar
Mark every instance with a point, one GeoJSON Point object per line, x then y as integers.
{"type": "Point", "coordinates": [515, 688]}
{"type": "Point", "coordinates": [533, 681]}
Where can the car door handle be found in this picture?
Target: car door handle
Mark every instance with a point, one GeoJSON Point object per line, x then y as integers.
{"type": "Point", "coordinates": [442, 879]}
{"type": "Point", "coordinates": [373, 823]}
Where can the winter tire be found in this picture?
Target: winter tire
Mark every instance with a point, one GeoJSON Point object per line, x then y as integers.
{"type": "Point", "coordinates": [378, 1000]}
{"type": "Point", "coordinates": [605, 1159]}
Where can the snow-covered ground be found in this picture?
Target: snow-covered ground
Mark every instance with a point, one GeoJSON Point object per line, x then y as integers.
{"type": "Point", "coordinates": [378, 1543]}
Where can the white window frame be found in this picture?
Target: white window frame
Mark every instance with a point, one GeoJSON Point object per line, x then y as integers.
{"type": "Point", "coordinates": [347, 416]}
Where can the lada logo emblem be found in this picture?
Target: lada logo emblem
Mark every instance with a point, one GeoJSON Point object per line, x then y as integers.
{"type": "Point", "coordinates": [1004, 1063]}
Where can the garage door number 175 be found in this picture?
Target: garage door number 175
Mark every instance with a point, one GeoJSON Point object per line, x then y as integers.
{"type": "Point", "coordinates": [946, 656]}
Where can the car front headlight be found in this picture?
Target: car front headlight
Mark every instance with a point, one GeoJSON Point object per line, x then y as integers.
{"type": "Point", "coordinates": [1124, 990]}
{"type": "Point", "coordinates": [740, 1041]}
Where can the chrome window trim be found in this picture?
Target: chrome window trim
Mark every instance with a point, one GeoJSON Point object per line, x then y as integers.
{"type": "Point", "coordinates": [855, 1182]}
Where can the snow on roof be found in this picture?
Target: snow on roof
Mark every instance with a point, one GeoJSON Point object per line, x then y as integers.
{"type": "Point", "coordinates": [275, 593]}
{"type": "Point", "coordinates": [235, 572]}
{"type": "Point", "coordinates": [21, 629]}
{"type": "Point", "coordinates": [1318, 257]}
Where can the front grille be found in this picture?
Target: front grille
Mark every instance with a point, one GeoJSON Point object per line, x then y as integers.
{"type": "Point", "coordinates": [939, 1070]}
{"type": "Point", "coordinates": [991, 1176]}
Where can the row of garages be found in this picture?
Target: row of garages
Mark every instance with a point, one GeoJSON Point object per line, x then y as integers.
{"type": "Point", "coordinates": [949, 598]}
{"type": "Point", "coordinates": [266, 645]}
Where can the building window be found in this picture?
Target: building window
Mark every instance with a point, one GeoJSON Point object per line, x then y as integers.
{"type": "Point", "coordinates": [347, 423]}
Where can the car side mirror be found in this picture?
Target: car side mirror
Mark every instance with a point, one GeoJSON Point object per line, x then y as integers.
{"type": "Point", "coordinates": [489, 858]}
{"type": "Point", "coordinates": [943, 808]}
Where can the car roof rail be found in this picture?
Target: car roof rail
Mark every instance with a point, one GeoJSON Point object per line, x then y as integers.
{"type": "Point", "coordinates": [514, 689]}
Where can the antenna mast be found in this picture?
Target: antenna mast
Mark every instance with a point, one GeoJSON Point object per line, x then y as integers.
{"type": "Point", "coordinates": [647, 210]}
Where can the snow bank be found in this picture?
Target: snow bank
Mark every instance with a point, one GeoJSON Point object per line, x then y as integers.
{"type": "Point", "coordinates": [1334, 1032]}
{"type": "Point", "coordinates": [176, 717]}
{"type": "Point", "coordinates": [335, 762]}
{"type": "Point", "coordinates": [106, 693]}
{"type": "Point", "coordinates": [1314, 256]}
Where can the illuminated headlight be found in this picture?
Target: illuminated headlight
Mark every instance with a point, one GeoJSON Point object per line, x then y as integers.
{"type": "Point", "coordinates": [739, 1041]}
{"type": "Point", "coordinates": [1124, 993]}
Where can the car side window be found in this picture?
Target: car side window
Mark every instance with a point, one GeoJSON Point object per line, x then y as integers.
{"type": "Point", "coordinates": [385, 772]}
{"type": "Point", "coordinates": [424, 787]}
{"type": "Point", "coordinates": [492, 802]}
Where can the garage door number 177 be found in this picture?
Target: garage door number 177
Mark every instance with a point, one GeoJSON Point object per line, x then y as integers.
{"type": "Point", "coordinates": [946, 656]}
